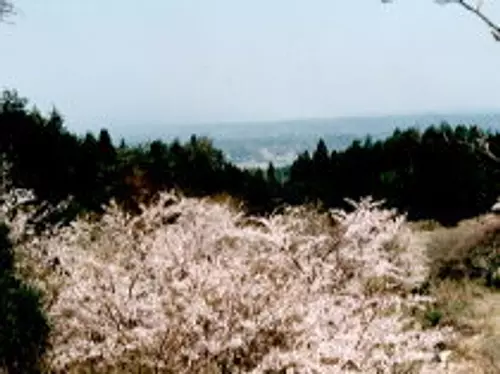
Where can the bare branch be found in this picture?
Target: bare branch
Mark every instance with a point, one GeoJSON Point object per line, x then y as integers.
{"type": "Point", "coordinates": [495, 29]}
{"type": "Point", "coordinates": [480, 145]}
{"type": "Point", "coordinates": [6, 9]}
{"type": "Point", "coordinates": [484, 147]}
{"type": "Point", "coordinates": [474, 9]}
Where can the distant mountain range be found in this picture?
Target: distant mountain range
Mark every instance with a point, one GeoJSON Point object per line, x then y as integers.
{"type": "Point", "coordinates": [255, 144]}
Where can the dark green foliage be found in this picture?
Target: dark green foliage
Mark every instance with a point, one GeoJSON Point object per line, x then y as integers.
{"type": "Point", "coordinates": [433, 317]}
{"type": "Point", "coordinates": [23, 325]}
{"type": "Point", "coordinates": [435, 174]}
{"type": "Point", "coordinates": [6, 256]}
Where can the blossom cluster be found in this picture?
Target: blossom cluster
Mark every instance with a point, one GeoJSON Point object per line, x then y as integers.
{"type": "Point", "coordinates": [194, 286]}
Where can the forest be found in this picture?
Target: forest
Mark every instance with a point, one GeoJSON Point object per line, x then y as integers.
{"type": "Point", "coordinates": [438, 173]}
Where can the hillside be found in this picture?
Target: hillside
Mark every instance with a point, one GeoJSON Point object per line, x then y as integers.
{"type": "Point", "coordinates": [195, 286]}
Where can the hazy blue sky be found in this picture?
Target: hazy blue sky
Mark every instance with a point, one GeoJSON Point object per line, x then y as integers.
{"type": "Point", "coordinates": [123, 62]}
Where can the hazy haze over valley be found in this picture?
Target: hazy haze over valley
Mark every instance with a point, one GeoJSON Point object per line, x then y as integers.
{"type": "Point", "coordinates": [251, 144]}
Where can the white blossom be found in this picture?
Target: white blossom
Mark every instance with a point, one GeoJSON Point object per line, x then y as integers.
{"type": "Point", "coordinates": [288, 292]}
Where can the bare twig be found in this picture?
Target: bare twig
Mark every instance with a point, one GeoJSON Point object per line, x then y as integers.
{"type": "Point", "coordinates": [484, 147]}
{"type": "Point", "coordinates": [474, 9]}
{"type": "Point", "coordinates": [480, 144]}
{"type": "Point", "coordinates": [6, 9]}
{"type": "Point", "coordinates": [495, 29]}
{"type": "Point", "coordinates": [477, 11]}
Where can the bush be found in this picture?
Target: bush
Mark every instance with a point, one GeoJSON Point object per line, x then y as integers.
{"type": "Point", "coordinates": [6, 257]}
{"type": "Point", "coordinates": [433, 317]}
{"type": "Point", "coordinates": [469, 251]}
{"type": "Point", "coordinates": [23, 325]}
{"type": "Point", "coordinates": [193, 286]}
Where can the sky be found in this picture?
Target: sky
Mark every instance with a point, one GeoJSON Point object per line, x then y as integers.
{"type": "Point", "coordinates": [123, 63]}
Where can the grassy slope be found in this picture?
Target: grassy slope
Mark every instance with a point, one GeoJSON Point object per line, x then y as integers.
{"type": "Point", "coordinates": [457, 258]}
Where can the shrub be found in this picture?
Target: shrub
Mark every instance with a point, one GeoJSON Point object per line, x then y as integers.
{"type": "Point", "coordinates": [433, 317]}
{"type": "Point", "coordinates": [6, 256]}
{"type": "Point", "coordinates": [215, 291]}
{"type": "Point", "coordinates": [469, 251]}
{"type": "Point", "coordinates": [23, 325]}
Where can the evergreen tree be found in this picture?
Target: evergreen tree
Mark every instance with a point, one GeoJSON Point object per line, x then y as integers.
{"type": "Point", "coordinates": [107, 152]}
{"type": "Point", "coordinates": [24, 327]}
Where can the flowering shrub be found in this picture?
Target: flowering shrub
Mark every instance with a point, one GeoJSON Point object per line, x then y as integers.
{"type": "Point", "coordinates": [192, 286]}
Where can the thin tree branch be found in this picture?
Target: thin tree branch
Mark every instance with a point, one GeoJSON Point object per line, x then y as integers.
{"type": "Point", "coordinates": [476, 11]}
{"type": "Point", "coordinates": [484, 147]}
{"type": "Point", "coordinates": [480, 145]}
{"type": "Point", "coordinates": [6, 9]}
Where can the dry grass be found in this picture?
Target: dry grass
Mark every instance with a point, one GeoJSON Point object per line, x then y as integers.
{"type": "Point", "coordinates": [425, 225]}
{"type": "Point", "coordinates": [226, 199]}
{"type": "Point", "coordinates": [469, 251]}
{"type": "Point", "coordinates": [463, 262]}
